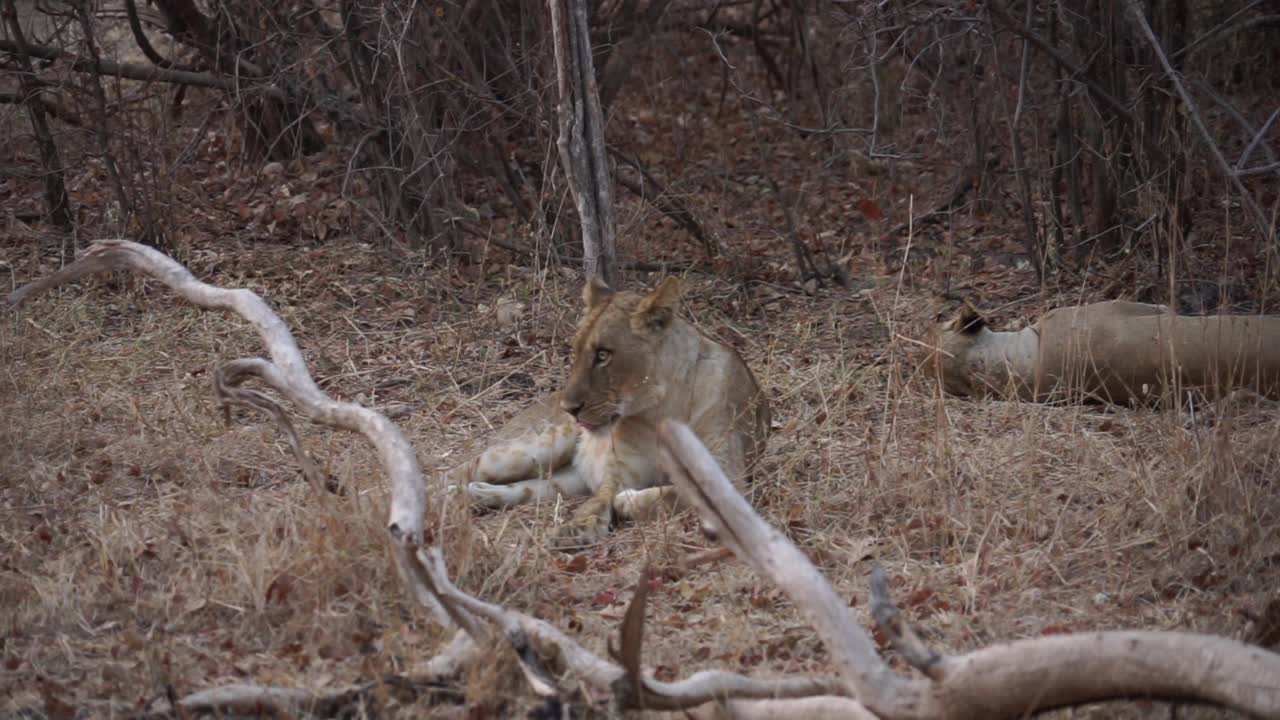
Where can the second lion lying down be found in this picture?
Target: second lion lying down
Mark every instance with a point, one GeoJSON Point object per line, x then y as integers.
{"type": "Point", "coordinates": [635, 362]}
{"type": "Point", "coordinates": [1117, 351]}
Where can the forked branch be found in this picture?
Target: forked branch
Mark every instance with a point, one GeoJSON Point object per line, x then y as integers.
{"type": "Point", "coordinates": [1139, 21]}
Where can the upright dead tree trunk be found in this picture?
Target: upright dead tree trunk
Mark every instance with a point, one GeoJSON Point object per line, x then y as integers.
{"type": "Point", "coordinates": [581, 141]}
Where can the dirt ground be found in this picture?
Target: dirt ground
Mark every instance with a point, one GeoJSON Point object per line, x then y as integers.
{"type": "Point", "coordinates": [148, 549]}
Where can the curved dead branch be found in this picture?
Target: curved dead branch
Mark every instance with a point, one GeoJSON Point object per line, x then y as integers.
{"type": "Point", "coordinates": [703, 484]}
{"type": "Point", "coordinates": [226, 386]}
{"type": "Point", "coordinates": [698, 688]}
{"type": "Point", "coordinates": [286, 373]}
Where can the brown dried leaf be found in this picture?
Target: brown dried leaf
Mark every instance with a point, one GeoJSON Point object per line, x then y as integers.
{"type": "Point", "coordinates": [279, 589]}
{"type": "Point", "coordinates": [870, 210]}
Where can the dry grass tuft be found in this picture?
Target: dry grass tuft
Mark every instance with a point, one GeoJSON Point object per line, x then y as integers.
{"type": "Point", "coordinates": [146, 545]}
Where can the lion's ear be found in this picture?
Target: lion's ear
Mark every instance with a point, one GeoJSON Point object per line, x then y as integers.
{"type": "Point", "coordinates": [658, 307]}
{"type": "Point", "coordinates": [967, 320]}
{"type": "Point", "coordinates": [596, 292]}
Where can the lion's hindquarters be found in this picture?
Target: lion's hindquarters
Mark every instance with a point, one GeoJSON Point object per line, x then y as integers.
{"type": "Point", "coordinates": [1130, 357]}
{"type": "Point", "coordinates": [733, 417]}
{"type": "Point", "coordinates": [1225, 352]}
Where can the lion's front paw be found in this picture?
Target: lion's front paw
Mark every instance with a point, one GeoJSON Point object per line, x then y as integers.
{"type": "Point", "coordinates": [495, 497]}
{"type": "Point", "coordinates": [581, 533]}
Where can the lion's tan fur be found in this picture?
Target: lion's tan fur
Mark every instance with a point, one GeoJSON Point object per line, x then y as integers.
{"type": "Point", "coordinates": [655, 366]}
{"type": "Point", "coordinates": [1116, 351]}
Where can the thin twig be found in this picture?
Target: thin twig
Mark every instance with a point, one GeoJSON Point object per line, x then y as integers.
{"type": "Point", "coordinates": [1222, 29]}
{"type": "Point", "coordinates": [149, 73]}
{"type": "Point", "coordinates": [664, 201]}
{"type": "Point", "coordinates": [900, 633]}
{"type": "Point", "coordinates": [1257, 139]}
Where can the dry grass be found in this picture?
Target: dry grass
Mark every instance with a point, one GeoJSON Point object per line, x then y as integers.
{"type": "Point", "coordinates": [146, 546]}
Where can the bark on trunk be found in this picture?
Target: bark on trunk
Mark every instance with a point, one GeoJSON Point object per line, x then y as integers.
{"type": "Point", "coordinates": [581, 141]}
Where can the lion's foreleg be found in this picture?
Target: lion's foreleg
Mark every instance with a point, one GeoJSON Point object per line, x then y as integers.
{"type": "Point", "coordinates": [564, 481]}
{"type": "Point", "coordinates": [639, 505]}
{"type": "Point", "coordinates": [591, 523]}
{"type": "Point", "coordinates": [525, 457]}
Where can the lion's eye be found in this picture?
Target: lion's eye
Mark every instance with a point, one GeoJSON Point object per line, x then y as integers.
{"type": "Point", "coordinates": [602, 356]}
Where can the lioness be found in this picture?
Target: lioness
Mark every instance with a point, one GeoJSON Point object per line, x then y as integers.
{"type": "Point", "coordinates": [635, 362]}
{"type": "Point", "coordinates": [1116, 351]}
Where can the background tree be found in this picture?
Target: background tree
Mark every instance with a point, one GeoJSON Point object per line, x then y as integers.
{"type": "Point", "coordinates": [1098, 133]}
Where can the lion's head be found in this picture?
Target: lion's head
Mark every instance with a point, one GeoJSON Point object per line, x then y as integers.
{"type": "Point", "coordinates": [615, 353]}
{"type": "Point", "coordinates": [953, 340]}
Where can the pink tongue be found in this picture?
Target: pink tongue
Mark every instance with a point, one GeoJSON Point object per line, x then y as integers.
{"type": "Point", "coordinates": [585, 426]}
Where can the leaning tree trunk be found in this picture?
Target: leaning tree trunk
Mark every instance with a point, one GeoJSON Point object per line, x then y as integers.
{"type": "Point", "coordinates": [57, 202]}
{"type": "Point", "coordinates": [581, 141]}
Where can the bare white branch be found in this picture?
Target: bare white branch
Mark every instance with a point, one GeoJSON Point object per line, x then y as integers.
{"type": "Point", "coordinates": [422, 569]}
{"type": "Point", "coordinates": [246, 699]}
{"type": "Point", "coordinates": [1012, 679]}
{"type": "Point", "coordinates": [813, 708]}
{"type": "Point", "coordinates": [286, 373]}
{"type": "Point", "coordinates": [704, 485]}
{"type": "Point", "coordinates": [690, 692]}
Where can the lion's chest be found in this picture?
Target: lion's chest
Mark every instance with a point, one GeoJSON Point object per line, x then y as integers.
{"type": "Point", "coordinates": [628, 453]}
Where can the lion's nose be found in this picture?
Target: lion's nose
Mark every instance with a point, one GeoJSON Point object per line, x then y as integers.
{"type": "Point", "coordinates": [571, 407]}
